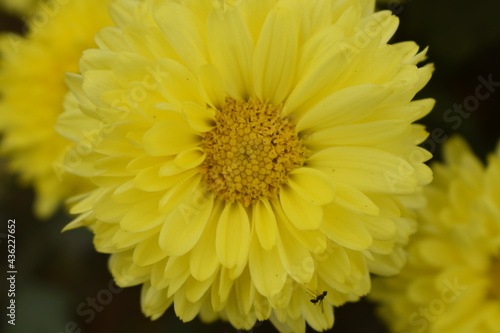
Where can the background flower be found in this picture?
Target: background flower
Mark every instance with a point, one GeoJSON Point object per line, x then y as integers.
{"type": "Point", "coordinates": [246, 148]}
{"type": "Point", "coordinates": [62, 275]}
{"type": "Point", "coordinates": [19, 7]}
{"type": "Point", "coordinates": [32, 90]}
{"type": "Point", "coordinates": [450, 283]}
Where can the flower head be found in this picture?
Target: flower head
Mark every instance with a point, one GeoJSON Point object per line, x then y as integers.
{"type": "Point", "coordinates": [32, 91]}
{"type": "Point", "coordinates": [450, 283]}
{"type": "Point", "coordinates": [253, 155]}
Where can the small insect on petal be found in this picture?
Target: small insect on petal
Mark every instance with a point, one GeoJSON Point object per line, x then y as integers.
{"type": "Point", "coordinates": [317, 298]}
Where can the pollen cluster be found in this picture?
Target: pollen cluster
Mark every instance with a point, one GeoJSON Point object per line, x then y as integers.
{"type": "Point", "coordinates": [250, 152]}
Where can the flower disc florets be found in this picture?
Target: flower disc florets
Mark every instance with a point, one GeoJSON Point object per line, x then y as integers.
{"type": "Point", "coordinates": [250, 152]}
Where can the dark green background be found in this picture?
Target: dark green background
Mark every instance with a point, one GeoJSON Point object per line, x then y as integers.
{"type": "Point", "coordinates": [57, 272]}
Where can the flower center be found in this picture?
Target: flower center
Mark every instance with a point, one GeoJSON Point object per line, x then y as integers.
{"type": "Point", "coordinates": [495, 279]}
{"type": "Point", "coordinates": [250, 152]}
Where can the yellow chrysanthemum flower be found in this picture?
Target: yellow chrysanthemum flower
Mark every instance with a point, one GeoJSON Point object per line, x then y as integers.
{"type": "Point", "coordinates": [32, 91]}
{"type": "Point", "coordinates": [251, 156]}
{"type": "Point", "coordinates": [451, 281]}
{"type": "Point", "coordinates": [19, 7]}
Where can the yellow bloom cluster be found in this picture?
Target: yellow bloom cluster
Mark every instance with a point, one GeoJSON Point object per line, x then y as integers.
{"type": "Point", "coordinates": [452, 280]}
{"type": "Point", "coordinates": [249, 155]}
{"type": "Point", "coordinates": [32, 91]}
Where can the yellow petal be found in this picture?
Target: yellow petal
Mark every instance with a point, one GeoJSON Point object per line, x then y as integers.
{"type": "Point", "coordinates": [144, 161]}
{"type": "Point", "coordinates": [183, 192]}
{"type": "Point", "coordinates": [104, 233]}
{"type": "Point", "coordinates": [313, 240]}
{"type": "Point", "coordinates": [78, 222]}
{"type": "Point", "coordinates": [212, 86]}
{"type": "Point", "coordinates": [139, 37]}
{"type": "Point", "coordinates": [318, 44]}
{"type": "Point", "coordinates": [125, 272]}
{"type": "Point", "coordinates": [170, 168]}
{"type": "Point", "coordinates": [231, 49]}
{"type": "Point", "coordinates": [264, 220]}
{"type": "Point", "coordinates": [303, 214]}
{"type": "Point", "coordinates": [368, 169]}
{"type": "Point", "coordinates": [345, 106]}
{"type": "Point", "coordinates": [262, 307]}
{"type": "Point", "coordinates": [275, 56]}
{"type": "Point", "coordinates": [176, 267]}
{"type": "Point", "coordinates": [245, 292]}
{"type": "Point", "coordinates": [183, 228]}
{"type": "Point", "coordinates": [113, 166]}
{"type": "Point", "coordinates": [222, 290]}
{"type": "Point", "coordinates": [154, 302]}
{"type": "Point", "coordinates": [85, 204]}
{"type": "Point", "coordinates": [312, 185]}
{"type": "Point", "coordinates": [148, 252]}
{"type": "Point", "coordinates": [190, 158]}
{"type": "Point", "coordinates": [255, 13]}
{"type": "Point", "coordinates": [130, 67]}
{"type": "Point", "coordinates": [318, 320]}
{"type": "Point", "coordinates": [334, 268]}
{"type": "Point", "coordinates": [125, 239]}
{"type": "Point", "coordinates": [322, 13]}
{"type": "Point", "coordinates": [421, 290]}
{"type": "Point", "coordinates": [157, 277]}
{"type": "Point", "coordinates": [345, 228]}
{"type": "Point", "coordinates": [175, 82]}
{"type": "Point", "coordinates": [234, 313]}
{"type": "Point", "coordinates": [72, 119]}
{"type": "Point", "coordinates": [195, 289]}
{"type": "Point", "coordinates": [203, 261]}
{"type": "Point", "coordinates": [176, 284]}
{"type": "Point", "coordinates": [105, 209]}
{"type": "Point", "coordinates": [266, 269]}
{"type": "Point", "coordinates": [117, 138]}
{"type": "Point", "coordinates": [233, 237]}
{"type": "Point", "coordinates": [380, 228]}
{"type": "Point", "coordinates": [359, 269]}
{"type": "Point", "coordinates": [437, 253]}
{"type": "Point", "coordinates": [382, 247]}
{"type": "Point", "coordinates": [374, 133]}
{"type": "Point", "coordinates": [320, 79]}
{"type": "Point", "coordinates": [200, 118]}
{"type": "Point", "coordinates": [97, 83]}
{"type": "Point", "coordinates": [296, 259]}
{"type": "Point", "coordinates": [288, 325]}
{"type": "Point", "coordinates": [353, 199]}
{"type": "Point", "coordinates": [141, 216]}
{"type": "Point", "coordinates": [184, 32]}
{"type": "Point", "coordinates": [387, 24]}
{"type": "Point", "coordinates": [112, 38]}
{"type": "Point", "coordinates": [184, 309]}
{"type": "Point", "coordinates": [169, 138]}
{"type": "Point", "coordinates": [148, 179]}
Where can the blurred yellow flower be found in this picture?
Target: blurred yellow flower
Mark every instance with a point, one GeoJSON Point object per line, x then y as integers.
{"type": "Point", "coordinates": [32, 91]}
{"type": "Point", "coordinates": [391, 2]}
{"type": "Point", "coordinates": [20, 7]}
{"type": "Point", "coordinates": [452, 280]}
{"type": "Point", "coordinates": [252, 156]}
